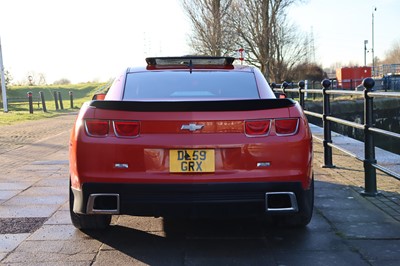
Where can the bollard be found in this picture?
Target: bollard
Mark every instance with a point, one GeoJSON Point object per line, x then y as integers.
{"type": "Point", "coordinates": [71, 99]}
{"type": "Point", "coordinates": [301, 85]}
{"type": "Point", "coordinates": [30, 100]}
{"type": "Point", "coordinates": [369, 147]}
{"type": "Point", "coordinates": [56, 99]}
{"type": "Point", "coordinates": [326, 83]}
{"type": "Point", "coordinates": [60, 99]}
{"type": "Point", "coordinates": [41, 94]}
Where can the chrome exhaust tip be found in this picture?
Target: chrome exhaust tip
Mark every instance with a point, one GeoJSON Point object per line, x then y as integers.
{"type": "Point", "coordinates": [281, 202]}
{"type": "Point", "coordinates": [103, 204]}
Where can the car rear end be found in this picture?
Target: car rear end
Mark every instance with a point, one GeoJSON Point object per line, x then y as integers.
{"type": "Point", "coordinates": [177, 149]}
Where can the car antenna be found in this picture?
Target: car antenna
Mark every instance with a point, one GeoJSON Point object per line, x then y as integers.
{"type": "Point", "coordinates": [190, 66]}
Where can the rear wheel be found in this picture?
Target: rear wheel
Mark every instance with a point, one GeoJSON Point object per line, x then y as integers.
{"type": "Point", "coordinates": [82, 221]}
{"type": "Point", "coordinates": [303, 217]}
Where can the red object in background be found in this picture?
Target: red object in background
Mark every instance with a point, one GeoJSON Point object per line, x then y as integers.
{"type": "Point", "coordinates": [350, 77]}
{"type": "Point", "coordinates": [241, 52]}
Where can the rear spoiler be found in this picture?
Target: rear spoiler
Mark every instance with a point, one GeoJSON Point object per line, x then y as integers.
{"type": "Point", "coordinates": [194, 106]}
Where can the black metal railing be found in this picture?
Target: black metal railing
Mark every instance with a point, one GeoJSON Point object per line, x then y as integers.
{"type": "Point", "coordinates": [369, 160]}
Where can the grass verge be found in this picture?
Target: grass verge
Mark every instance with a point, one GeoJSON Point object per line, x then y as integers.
{"type": "Point", "coordinates": [19, 111]}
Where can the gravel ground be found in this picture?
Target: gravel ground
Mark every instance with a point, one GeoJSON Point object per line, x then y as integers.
{"type": "Point", "coordinates": [15, 137]}
{"type": "Point", "coordinates": [20, 134]}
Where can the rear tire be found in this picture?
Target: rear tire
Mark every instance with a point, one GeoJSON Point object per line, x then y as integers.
{"type": "Point", "coordinates": [87, 222]}
{"type": "Point", "coordinates": [303, 217]}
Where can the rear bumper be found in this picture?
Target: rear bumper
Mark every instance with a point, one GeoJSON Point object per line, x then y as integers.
{"type": "Point", "coordinates": [187, 200]}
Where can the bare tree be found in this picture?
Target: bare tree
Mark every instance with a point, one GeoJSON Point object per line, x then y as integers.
{"type": "Point", "coordinates": [289, 50]}
{"type": "Point", "coordinates": [209, 17]}
{"type": "Point", "coordinates": [42, 79]}
{"type": "Point", "coordinates": [272, 43]}
{"type": "Point", "coordinates": [393, 55]}
{"type": "Point", "coordinates": [260, 27]}
{"type": "Point", "coordinates": [7, 78]}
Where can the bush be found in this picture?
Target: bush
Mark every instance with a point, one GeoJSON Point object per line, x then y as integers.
{"type": "Point", "coordinates": [62, 82]}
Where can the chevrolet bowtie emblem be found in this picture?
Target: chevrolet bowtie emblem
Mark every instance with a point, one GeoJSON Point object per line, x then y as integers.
{"type": "Point", "coordinates": [192, 127]}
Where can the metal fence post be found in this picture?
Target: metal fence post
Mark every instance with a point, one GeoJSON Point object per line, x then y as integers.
{"type": "Point", "coordinates": [56, 99]}
{"type": "Point", "coordinates": [369, 147]}
{"type": "Point", "coordinates": [301, 84]}
{"type": "Point", "coordinates": [30, 101]}
{"type": "Point", "coordinates": [41, 94]}
{"type": "Point", "coordinates": [71, 99]}
{"type": "Point", "coordinates": [326, 83]}
{"type": "Point", "coordinates": [60, 99]}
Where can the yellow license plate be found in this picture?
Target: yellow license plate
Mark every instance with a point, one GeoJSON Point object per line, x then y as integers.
{"type": "Point", "coordinates": [191, 161]}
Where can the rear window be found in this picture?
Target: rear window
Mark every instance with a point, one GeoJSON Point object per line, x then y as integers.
{"type": "Point", "coordinates": [198, 85]}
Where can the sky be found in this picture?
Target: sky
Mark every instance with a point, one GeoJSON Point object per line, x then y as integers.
{"type": "Point", "coordinates": [94, 40]}
{"type": "Point", "coordinates": [340, 27]}
{"type": "Point", "coordinates": [86, 40]}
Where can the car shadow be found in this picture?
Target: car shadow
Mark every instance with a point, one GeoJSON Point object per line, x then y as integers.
{"type": "Point", "coordinates": [182, 241]}
{"type": "Point", "coordinates": [226, 241]}
{"type": "Point", "coordinates": [157, 241]}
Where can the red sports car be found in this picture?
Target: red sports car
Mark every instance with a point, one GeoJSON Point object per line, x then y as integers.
{"type": "Point", "coordinates": [192, 137]}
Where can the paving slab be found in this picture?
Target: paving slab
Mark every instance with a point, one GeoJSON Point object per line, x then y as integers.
{"type": "Point", "coordinates": [31, 210]}
{"type": "Point", "coordinates": [228, 252]}
{"type": "Point", "coordinates": [8, 242]}
{"type": "Point", "coordinates": [60, 217]}
{"type": "Point", "coordinates": [36, 252]}
{"type": "Point", "coordinates": [379, 251]}
{"type": "Point", "coordinates": [320, 258]}
{"type": "Point", "coordinates": [7, 194]}
{"type": "Point", "coordinates": [51, 232]}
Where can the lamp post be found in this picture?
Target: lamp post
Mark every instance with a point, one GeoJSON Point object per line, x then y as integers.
{"type": "Point", "coordinates": [373, 47]}
{"type": "Point", "coordinates": [3, 83]}
{"type": "Point", "coordinates": [365, 52]}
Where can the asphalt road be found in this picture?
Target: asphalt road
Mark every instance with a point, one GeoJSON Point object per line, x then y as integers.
{"type": "Point", "coordinates": [35, 228]}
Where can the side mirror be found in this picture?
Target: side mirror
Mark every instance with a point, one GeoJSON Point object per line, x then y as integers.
{"type": "Point", "coordinates": [99, 96]}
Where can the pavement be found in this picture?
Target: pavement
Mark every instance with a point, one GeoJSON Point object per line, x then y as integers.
{"type": "Point", "coordinates": [347, 228]}
{"type": "Point", "coordinates": [347, 162]}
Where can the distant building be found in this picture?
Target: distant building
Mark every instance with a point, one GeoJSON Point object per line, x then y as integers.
{"type": "Point", "coordinates": [383, 70]}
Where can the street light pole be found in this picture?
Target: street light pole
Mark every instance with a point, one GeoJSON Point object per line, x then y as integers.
{"type": "Point", "coordinates": [373, 39]}
{"type": "Point", "coordinates": [3, 83]}
{"type": "Point", "coordinates": [365, 52]}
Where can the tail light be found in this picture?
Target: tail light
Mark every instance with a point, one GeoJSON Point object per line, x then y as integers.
{"type": "Point", "coordinates": [96, 127]}
{"type": "Point", "coordinates": [126, 128]}
{"type": "Point", "coordinates": [257, 127]}
{"type": "Point", "coordinates": [101, 128]}
{"type": "Point", "coordinates": [285, 127]}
